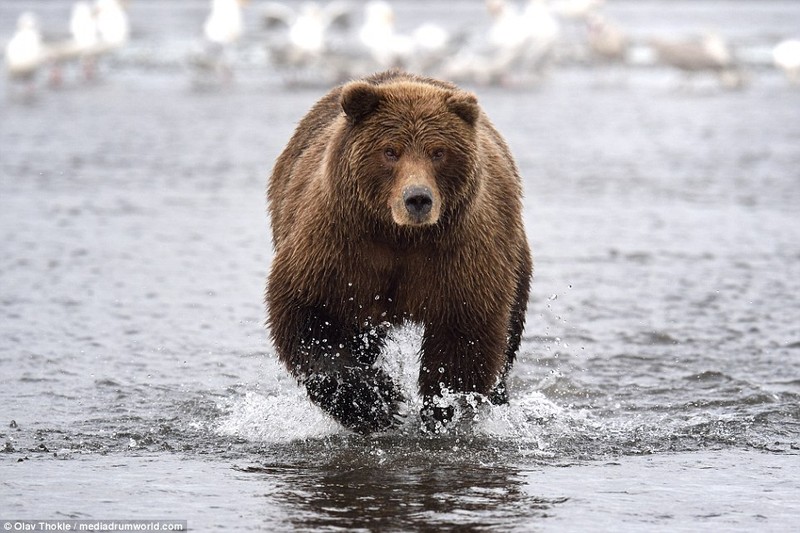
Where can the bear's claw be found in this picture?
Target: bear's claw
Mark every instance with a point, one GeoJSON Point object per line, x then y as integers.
{"type": "Point", "coordinates": [362, 399]}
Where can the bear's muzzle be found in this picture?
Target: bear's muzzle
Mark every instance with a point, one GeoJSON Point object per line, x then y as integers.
{"type": "Point", "coordinates": [418, 200]}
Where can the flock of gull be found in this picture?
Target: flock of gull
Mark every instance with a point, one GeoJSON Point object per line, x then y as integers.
{"type": "Point", "coordinates": [95, 30]}
{"type": "Point", "coordinates": [518, 43]}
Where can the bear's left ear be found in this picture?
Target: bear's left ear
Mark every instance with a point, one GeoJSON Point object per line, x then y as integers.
{"type": "Point", "coordinates": [359, 99]}
{"type": "Point", "coordinates": [465, 105]}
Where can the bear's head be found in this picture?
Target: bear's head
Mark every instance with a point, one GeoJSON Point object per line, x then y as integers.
{"type": "Point", "coordinates": [409, 149]}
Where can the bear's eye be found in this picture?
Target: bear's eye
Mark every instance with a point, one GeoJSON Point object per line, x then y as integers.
{"type": "Point", "coordinates": [438, 154]}
{"type": "Point", "coordinates": [391, 154]}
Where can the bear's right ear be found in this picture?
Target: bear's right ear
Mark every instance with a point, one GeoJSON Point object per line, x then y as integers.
{"type": "Point", "coordinates": [359, 99]}
{"type": "Point", "coordinates": [465, 105]}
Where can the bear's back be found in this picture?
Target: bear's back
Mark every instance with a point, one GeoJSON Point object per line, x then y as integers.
{"type": "Point", "coordinates": [308, 131]}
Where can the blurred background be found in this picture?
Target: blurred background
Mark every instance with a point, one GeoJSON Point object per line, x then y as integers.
{"type": "Point", "coordinates": [57, 43]}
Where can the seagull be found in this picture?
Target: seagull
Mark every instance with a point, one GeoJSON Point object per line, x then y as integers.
{"type": "Point", "coordinates": [94, 30]}
{"type": "Point", "coordinates": [25, 52]}
{"type": "Point", "coordinates": [83, 26]}
{"type": "Point", "coordinates": [508, 30]}
{"type": "Point", "coordinates": [421, 50]}
{"type": "Point", "coordinates": [520, 42]}
{"type": "Point", "coordinates": [607, 42]}
{"type": "Point", "coordinates": [786, 56]}
{"type": "Point", "coordinates": [708, 54]}
{"type": "Point", "coordinates": [517, 41]}
{"type": "Point", "coordinates": [386, 47]}
{"type": "Point", "coordinates": [307, 34]}
{"type": "Point", "coordinates": [543, 34]}
{"type": "Point", "coordinates": [84, 43]}
{"type": "Point", "coordinates": [112, 23]}
{"type": "Point", "coordinates": [222, 28]}
{"type": "Point", "coordinates": [432, 44]}
{"type": "Point", "coordinates": [224, 24]}
{"type": "Point", "coordinates": [306, 40]}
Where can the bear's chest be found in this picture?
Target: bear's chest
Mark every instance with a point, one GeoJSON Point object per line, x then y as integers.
{"type": "Point", "coordinates": [394, 284]}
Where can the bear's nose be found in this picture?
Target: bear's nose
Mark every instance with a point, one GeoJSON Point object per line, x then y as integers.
{"type": "Point", "coordinates": [418, 200]}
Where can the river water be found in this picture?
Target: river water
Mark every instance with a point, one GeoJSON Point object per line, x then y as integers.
{"type": "Point", "coordinates": [658, 383]}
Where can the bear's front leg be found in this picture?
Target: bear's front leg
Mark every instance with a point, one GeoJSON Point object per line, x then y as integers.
{"type": "Point", "coordinates": [362, 399]}
{"type": "Point", "coordinates": [463, 360]}
{"type": "Point", "coordinates": [335, 362]}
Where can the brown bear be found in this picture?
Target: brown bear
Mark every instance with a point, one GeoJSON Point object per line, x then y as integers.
{"type": "Point", "coordinates": [396, 200]}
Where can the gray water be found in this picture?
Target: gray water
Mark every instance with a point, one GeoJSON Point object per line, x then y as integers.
{"type": "Point", "coordinates": [659, 376]}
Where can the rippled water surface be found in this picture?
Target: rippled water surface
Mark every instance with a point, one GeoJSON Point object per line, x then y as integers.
{"type": "Point", "coordinates": [658, 384]}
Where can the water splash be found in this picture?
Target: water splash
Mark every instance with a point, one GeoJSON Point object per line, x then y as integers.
{"type": "Point", "coordinates": [533, 425]}
{"type": "Point", "coordinates": [284, 416]}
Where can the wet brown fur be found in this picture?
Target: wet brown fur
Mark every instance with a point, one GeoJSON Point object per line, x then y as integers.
{"type": "Point", "coordinates": [348, 259]}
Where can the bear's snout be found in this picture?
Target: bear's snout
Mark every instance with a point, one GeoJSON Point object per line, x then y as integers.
{"type": "Point", "coordinates": [418, 200]}
{"type": "Point", "coordinates": [416, 203]}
